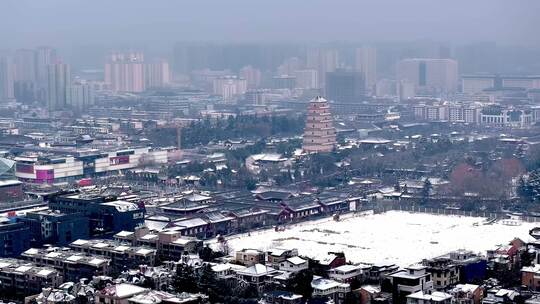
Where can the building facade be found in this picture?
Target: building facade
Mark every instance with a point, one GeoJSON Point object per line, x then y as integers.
{"type": "Point", "coordinates": [366, 64]}
{"type": "Point", "coordinates": [124, 72]}
{"type": "Point", "coordinates": [429, 76]}
{"type": "Point", "coordinates": [58, 86]}
{"type": "Point", "coordinates": [7, 74]}
{"type": "Point", "coordinates": [157, 74]}
{"type": "Point", "coordinates": [345, 86]}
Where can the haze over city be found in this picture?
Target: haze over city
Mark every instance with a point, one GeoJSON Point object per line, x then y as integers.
{"type": "Point", "coordinates": [270, 152]}
{"type": "Point", "coordinates": [71, 22]}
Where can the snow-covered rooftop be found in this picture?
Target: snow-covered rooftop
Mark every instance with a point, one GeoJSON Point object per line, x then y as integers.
{"type": "Point", "coordinates": [122, 206]}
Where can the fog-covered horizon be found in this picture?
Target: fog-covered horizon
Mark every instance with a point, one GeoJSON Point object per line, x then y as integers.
{"type": "Point", "coordinates": [68, 23]}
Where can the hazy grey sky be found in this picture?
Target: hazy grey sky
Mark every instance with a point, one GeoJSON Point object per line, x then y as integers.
{"type": "Point", "coordinates": [74, 22]}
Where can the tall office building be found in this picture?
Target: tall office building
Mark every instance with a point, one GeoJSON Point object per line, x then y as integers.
{"type": "Point", "coordinates": [6, 79]}
{"type": "Point", "coordinates": [255, 97]}
{"type": "Point", "coordinates": [429, 76]}
{"type": "Point", "coordinates": [307, 79]}
{"type": "Point", "coordinates": [25, 65]}
{"type": "Point", "coordinates": [405, 90]}
{"type": "Point", "coordinates": [44, 57]}
{"type": "Point", "coordinates": [344, 86]}
{"type": "Point", "coordinates": [81, 96]}
{"type": "Point", "coordinates": [25, 91]}
{"type": "Point", "coordinates": [124, 72]}
{"type": "Point", "coordinates": [289, 65]}
{"type": "Point", "coordinates": [157, 74]}
{"type": "Point", "coordinates": [366, 64]}
{"type": "Point", "coordinates": [319, 133]}
{"type": "Point", "coordinates": [251, 75]}
{"type": "Point", "coordinates": [58, 88]}
{"type": "Point", "coordinates": [25, 75]}
{"type": "Point", "coordinates": [324, 60]}
{"type": "Point", "coordinates": [284, 82]}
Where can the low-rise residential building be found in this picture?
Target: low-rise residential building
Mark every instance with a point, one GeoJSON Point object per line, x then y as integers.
{"type": "Point", "coordinates": [24, 278]}
{"type": "Point", "coordinates": [408, 281]}
{"type": "Point", "coordinates": [294, 264]}
{"type": "Point", "coordinates": [275, 256]}
{"type": "Point", "coordinates": [121, 254]}
{"type": "Point", "coordinates": [330, 289]}
{"type": "Point", "coordinates": [169, 243]}
{"type": "Point", "coordinates": [331, 260]}
{"type": "Point", "coordinates": [436, 297]}
{"type": "Point", "coordinates": [505, 256]}
{"type": "Point", "coordinates": [472, 267]}
{"type": "Point", "coordinates": [118, 294]}
{"type": "Point", "coordinates": [348, 273]}
{"type": "Point", "coordinates": [72, 265]}
{"type": "Point", "coordinates": [159, 277]}
{"type": "Point", "coordinates": [369, 294]}
{"type": "Point", "coordinates": [379, 271]}
{"type": "Point", "coordinates": [443, 271]}
{"type": "Point", "coordinates": [226, 270]}
{"type": "Point", "coordinates": [249, 257]}
{"type": "Point", "coordinates": [467, 294]}
{"type": "Point", "coordinates": [530, 277]}
{"type": "Point", "coordinates": [500, 295]}
{"type": "Point", "coordinates": [257, 275]}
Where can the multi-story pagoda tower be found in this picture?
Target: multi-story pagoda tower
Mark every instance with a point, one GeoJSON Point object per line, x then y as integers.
{"type": "Point", "coordinates": [319, 134]}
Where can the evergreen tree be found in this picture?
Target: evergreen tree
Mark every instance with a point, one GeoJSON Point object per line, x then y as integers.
{"type": "Point", "coordinates": [523, 190]}
{"type": "Point", "coordinates": [184, 279]}
{"type": "Point", "coordinates": [300, 283]}
{"type": "Point", "coordinates": [397, 187]}
{"type": "Point", "coordinates": [533, 184]}
{"type": "Point", "coordinates": [207, 280]}
{"type": "Point", "coordinates": [426, 191]}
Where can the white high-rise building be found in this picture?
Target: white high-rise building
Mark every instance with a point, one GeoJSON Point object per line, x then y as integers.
{"type": "Point", "coordinates": [58, 88]}
{"type": "Point", "coordinates": [81, 96]}
{"type": "Point", "coordinates": [229, 87]}
{"type": "Point", "coordinates": [289, 66]}
{"type": "Point", "coordinates": [251, 75]}
{"type": "Point", "coordinates": [25, 65]}
{"type": "Point", "coordinates": [307, 79]}
{"type": "Point", "coordinates": [366, 63]}
{"type": "Point", "coordinates": [323, 60]}
{"type": "Point", "coordinates": [405, 89]}
{"type": "Point", "coordinates": [429, 76]}
{"type": "Point", "coordinates": [44, 57]}
{"type": "Point", "coordinates": [157, 74]}
{"type": "Point", "coordinates": [124, 72]}
{"type": "Point", "coordinates": [6, 79]}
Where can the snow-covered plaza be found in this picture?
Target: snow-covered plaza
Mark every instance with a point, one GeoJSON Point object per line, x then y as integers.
{"type": "Point", "coordinates": [398, 237]}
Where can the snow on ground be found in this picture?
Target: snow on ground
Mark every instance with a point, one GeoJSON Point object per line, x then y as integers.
{"type": "Point", "coordinates": [398, 237]}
